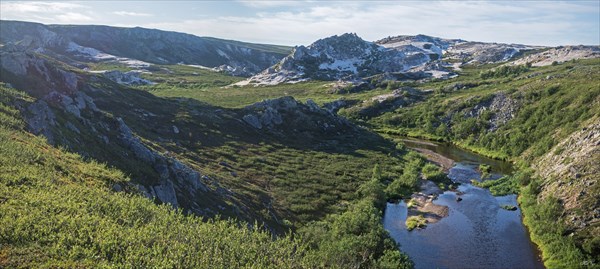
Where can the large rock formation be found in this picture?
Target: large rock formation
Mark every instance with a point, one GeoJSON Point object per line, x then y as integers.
{"type": "Point", "coordinates": [339, 57]}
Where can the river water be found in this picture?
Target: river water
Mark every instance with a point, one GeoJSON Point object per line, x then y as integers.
{"type": "Point", "coordinates": [477, 233]}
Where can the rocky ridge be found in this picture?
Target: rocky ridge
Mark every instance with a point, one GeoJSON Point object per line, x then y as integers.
{"type": "Point", "coordinates": [138, 47]}
{"type": "Point", "coordinates": [284, 115]}
{"type": "Point", "coordinates": [559, 55]}
{"type": "Point", "coordinates": [338, 57]}
{"type": "Point", "coordinates": [348, 57]}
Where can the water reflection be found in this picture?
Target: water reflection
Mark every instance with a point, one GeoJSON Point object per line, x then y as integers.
{"type": "Point", "coordinates": [478, 233]}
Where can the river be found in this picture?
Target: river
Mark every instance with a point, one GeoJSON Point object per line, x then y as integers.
{"type": "Point", "coordinates": [477, 233]}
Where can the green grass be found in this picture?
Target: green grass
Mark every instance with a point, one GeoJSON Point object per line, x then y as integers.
{"type": "Point", "coordinates": [499, 187]}
{"type": "Point", "coordinates": [540, 216]}
{"type": "Point", "coordinates": [59, 211]}
{"type": "Point", "coordinates": [209, 87]}
{"type": "Point", "coordinates": [415, 222]}
{"type": "Point", "coordinates": [550, 109]}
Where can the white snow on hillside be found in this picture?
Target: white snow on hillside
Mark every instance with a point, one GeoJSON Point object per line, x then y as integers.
{"type": "Point", "coordinates": [96, 55]}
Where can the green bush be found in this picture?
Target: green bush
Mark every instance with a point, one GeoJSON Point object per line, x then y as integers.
{"type": "Point", "coordinates": [413, 222]}
{"type": "Point", "coordinates": [504, 71]}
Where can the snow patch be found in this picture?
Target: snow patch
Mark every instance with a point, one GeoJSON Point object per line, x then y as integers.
{"type": "Point", "coordinates": [343, 65]}
{"type": "Point", "coordinates": [97, 55]}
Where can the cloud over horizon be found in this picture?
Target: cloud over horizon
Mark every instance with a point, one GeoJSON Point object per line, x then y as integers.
{"type": "Point", "coordinates": [302, 22]}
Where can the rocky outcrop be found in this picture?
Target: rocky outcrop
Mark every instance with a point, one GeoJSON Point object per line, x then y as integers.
{"type": "Point", "coordinates": [559, 55]}
{"type": "Point", "coordinates": [338, 57]}
{"type": "Point", "coordinates": [175, 177]}
{"type": "Point", "coordinates": [455, 49]}
{"type": "Point", "coordinates": [25, 68]}
{"type": "Point", "coordinates": [40, 120]}
{"type": "Point", "coordinates": [334, 106]}
{"type": "Point", "coordinates": [347, 57]}
{"type": "Point", "coordinates": [126, 78]}
{"type": "Point", "coordinates": [503, 109]}
{"type": "Point", "coordinates": [286, 115]}
{"type": "Point", "coordinates": [571, 173]}
{"type": "Point", "coordinates": [485, 53]}
{"type": "Point", "coordinates": [387, 102]}
{"type": "Point", "coordinates": [433, 47]}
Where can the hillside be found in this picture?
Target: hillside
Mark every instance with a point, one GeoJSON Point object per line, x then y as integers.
{"type": "Point", "coordinates": [47, 193]}
{"type": "Point", "coordinates": [142, 47]}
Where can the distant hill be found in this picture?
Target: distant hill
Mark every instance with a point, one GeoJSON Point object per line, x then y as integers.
{"type": "Point", "coordinates": [104, 43]}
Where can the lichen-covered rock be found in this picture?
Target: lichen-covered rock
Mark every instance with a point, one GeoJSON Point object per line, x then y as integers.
{"type": "Point", "coordinates": [175, 177]}
{"type": "Point", "coordinates": [559, 55]}
{"type": "Point", "coordinates": [285, 115]}
{"type": "Point", "coordinates": [40, 119]}
{"type": "Point", "coordinates": [253, 121]}
{"type": "Point", "coordinates": [571, 173]}
{"type": "Point", "coordinates": [503, 109]}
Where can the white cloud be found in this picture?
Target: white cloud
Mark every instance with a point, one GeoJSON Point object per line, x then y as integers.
{"type": "Point", "coordinates": [271, 3]}
{"type": "Point", "coordinates": [46, 12]}
{"type": "Point", "coordinates": [36, 7]}
{"type": "Point", "coordinates": [535, 23]}
{"type": "Point", "coordinates": [132, 14]}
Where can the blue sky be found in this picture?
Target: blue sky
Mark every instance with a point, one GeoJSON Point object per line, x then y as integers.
{"type": "Point", "coordinates": [302, 22]}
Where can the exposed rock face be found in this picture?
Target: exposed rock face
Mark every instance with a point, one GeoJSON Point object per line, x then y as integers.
{"type": "Point", "coordinates": [338, 57]}
{"type": "Point", "coordinates": [335, 106]}
{"type": "Point", "coordinates": [456, 49]}
{"type": "Point", "coordinates": [503, 107]}
{"type": "Point", "coordinates": [559, 55]}
{"type": "Point", "coordinates": [40, 120]}
{"type": "Point", "coordinates": [482, 53]}
{"type": "Point", "coordinates": [126, 78]}
{"type": "Point", "coordinates": [434, 47]}
{"type": "Point", "coordinates": [24, 63]}
{"type": "Point", "coordinates": [267, 112]}
{"type": "Point", "coordinates": [387, 102]}
{"type": "Point", "coordinates": [348, 57]}
{"type": "Point", "coordinates": [29, 35]}
{"type": "Point", "coordinates": [571, 173]}
{"type": "Point", "coordinates": [285, 114]}
{"type": "Point", "coordinates": [175, 177]}
{"type": "Point", "coordinates": [60, 92]}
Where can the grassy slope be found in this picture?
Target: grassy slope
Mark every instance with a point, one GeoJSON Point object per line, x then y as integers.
{"type": "Point", "coordinates": [297, 177]}
{"type": "Point", "coordinates": [207, 86]}
{"type": "Point", "coordinates": [58, 211]}
{"type": "Point", "coordinates": [285, 181]}
{"type": "Point", "coordinates": [554, 101]}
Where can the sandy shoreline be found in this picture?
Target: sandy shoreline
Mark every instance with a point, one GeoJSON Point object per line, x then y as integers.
{"type": "Point", "coordinates": [443, 161]}
{"type": "Point", "coordinates": [422, 203]}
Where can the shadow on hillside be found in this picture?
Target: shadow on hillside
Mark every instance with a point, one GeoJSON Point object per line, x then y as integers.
{"type": "Point", "coordinates": [193, 125]}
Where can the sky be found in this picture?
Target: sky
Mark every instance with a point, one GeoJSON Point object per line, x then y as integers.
{"type": "Point", "coordinates": [292, 23]}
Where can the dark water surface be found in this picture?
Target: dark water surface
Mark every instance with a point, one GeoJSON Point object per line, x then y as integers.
{"type": "Point", "coordinates": [477, 233]}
